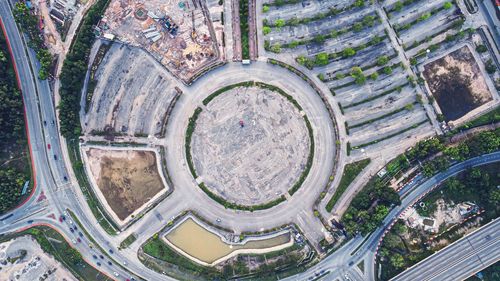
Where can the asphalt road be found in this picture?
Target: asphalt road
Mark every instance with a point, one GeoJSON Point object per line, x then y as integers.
{"type": "Point", "coordinates": [461, 259]}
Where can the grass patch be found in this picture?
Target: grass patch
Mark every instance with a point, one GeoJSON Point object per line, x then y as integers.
{"type": "Point", "coordinates": [350, 172]}
{"type": "Point", "coordinates": [128, 241]}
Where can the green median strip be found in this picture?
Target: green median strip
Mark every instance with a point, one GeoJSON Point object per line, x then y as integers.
{"type": "Point", "coordinates": [350, 172]}
{"type": "Point", "coordinates": [97, 210]}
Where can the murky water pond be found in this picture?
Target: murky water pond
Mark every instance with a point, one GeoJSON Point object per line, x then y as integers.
{"type": "Point", "coordinates": [208, 247]}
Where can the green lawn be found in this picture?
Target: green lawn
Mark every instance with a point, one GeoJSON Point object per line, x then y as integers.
{"type": "Point", "coordinates": [351, 171]}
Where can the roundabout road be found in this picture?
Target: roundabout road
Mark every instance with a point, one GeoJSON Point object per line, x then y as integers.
{"type": "Point", "coordinates": [188, 196]}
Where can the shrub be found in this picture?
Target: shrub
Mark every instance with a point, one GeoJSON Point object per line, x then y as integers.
{"type": "Point", "coordinates": [382, 60]}
{"type": "Point", "coordinates": [265, 9]}
{"type": "Point", "coordinates": [481, 48]}
{"type": "Point", "coordinates": [266, 30]}
{"type": "Point", "coordinates": [447, 5]}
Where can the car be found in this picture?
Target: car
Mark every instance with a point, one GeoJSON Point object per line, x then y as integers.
{"type": "Point", "coordinates": [109, 263]}
{"type": "Point", "coordinates": [53, 123]}
{"type": "Point", "coordinates": [45, 123]}
{"type": "Point", "coordinates": [218, 220]}
{"type": "Point", "coordinates": [98, 264]}
{"type": "Point", "coordinates": [101, 256]}
{"type": "Point", "coordinates": [65, 178]}
{"type": "Point", "coordinates": [78, 239]}
{"type": "Point", "coordinates": [76, 227]}
{"type": "Point", "coordinates": [30, 221]}
{"type": "Point", "coordinates": [71, 229]}
{"type": "Point", "coordinates": [55, 157]}
{"type": "Point", "coordinates": [81, 234]}
{"type": "Point", "coordinates": [124, 263]}
{"type": "Point", "coordinates": [48, 145]}
{"type": "Point", "coordinates": [94, 256]}
{"type": "Point", "coordinates": [351, 263]}
{"type": "Point", "coordinates": [60, 219]}
{"type": "Point", "coordinates": [111, 251]}
{"type": "Point", "coordinates": [116, 274]}
{"type": "Point", "coordinates": [64, 218]}
{"type": "Point", "coordinates": [74, 241]}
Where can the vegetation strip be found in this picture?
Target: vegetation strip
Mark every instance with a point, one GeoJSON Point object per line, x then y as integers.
{"type": "Point", "coordinates": [391, 135]}
{"type": "Point", "coordinates": [358, 26]}
{"type": "Point", "coordinates": [192, 125]}
{"type": "Point", "coordinates": [95, 206]}
{"type": "Point", "coordinates": [350, 172]}
{"type": "Point", "coordinates": [74, 70]}
{"type": "Point", "coordinates": [382, 116]}
{"type": "Point", "coordinates": [384, 93]}
{"type": "Point", "coordinates": [29, 24]}
{"type": "Point", "coordinates": [244, 31]}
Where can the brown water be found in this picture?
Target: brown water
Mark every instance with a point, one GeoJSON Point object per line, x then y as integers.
{"type": "Point", "coordinates": [196, 241]}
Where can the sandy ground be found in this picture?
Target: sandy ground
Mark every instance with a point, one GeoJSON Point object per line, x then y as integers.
{"type": "Point", "coordinates": [36, 265]}
{"type": "Point", "coordinates": [127, 178]}
{"type": "Point", "coordinates": [132, 94]}
{"type": "Point", "coordinates": [255, 163]}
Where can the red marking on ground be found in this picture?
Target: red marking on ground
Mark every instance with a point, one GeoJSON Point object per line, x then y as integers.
{"type": "Point", "coordinates": [25, 119]}
{"type": "Point", "coordinates": [41, 197]}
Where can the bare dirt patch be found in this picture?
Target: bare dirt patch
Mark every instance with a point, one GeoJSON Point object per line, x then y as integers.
{"type": "Point", "coordinates": [457, 83]}
{"type": "Point", "coordinates": [22, 259]}
{"type": "Point", "coordinates": [127, 178]}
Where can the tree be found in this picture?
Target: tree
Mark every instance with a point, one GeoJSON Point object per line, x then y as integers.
{"type": "Point", "coordinates": [348, 52]}
{"type": "Point", "coordinates": [382, 60]}
{"type": "Point", "coordinates": [357, 27]}
{"type": "Point", "coordinates": [266, 30]}
{"type": "Point", "coordinates": [276, 48]}
{"type": "Point", "coordinates": [387, 70]}
{"type": "Point", "coordinates": [265, 8]}
{"type": "Point", "coordinates": [398, 6]}
{"type": "Point", "coordinates": [397, 260]}
{"type": "Point", "coordinates": [490, 67]}
{"type": "Point", "coordinates": [374, 75]}
{"type": "Point", "coordinates": [447, 5]}
{"type": "Point", "coordinates": [321, 59]}
{"type": "Point", "coordinates": [481, 48]}
{"type": "Point", "coordinates": [279, 23]}
{"type": "Point", "coordinates": [369, 20]}
{"type": "Point", "coordinates": [413, 61]}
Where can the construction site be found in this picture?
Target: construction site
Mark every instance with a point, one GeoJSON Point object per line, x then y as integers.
{"type": "Point", "coordinates": [179, 34]}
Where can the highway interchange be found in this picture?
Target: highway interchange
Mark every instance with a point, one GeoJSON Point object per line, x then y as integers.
{"type": "Point", "coordinates": [61, 194]}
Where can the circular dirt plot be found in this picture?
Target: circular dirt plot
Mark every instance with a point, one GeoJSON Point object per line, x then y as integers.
{"type": "Point", "coordinates": [250, 144]}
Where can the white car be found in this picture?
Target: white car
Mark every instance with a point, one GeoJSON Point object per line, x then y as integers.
{"type": "Point", "coordinates": [116, 274]}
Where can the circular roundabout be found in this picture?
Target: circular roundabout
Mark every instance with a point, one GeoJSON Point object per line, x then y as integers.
{"type": "Point", "coordinates": [250, 144]}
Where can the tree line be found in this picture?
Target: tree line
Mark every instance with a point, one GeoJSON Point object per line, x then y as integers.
{"type": "Point", "coordinates": [74, 70]}
{"type": "Point", "coordinates": [13, 166]}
